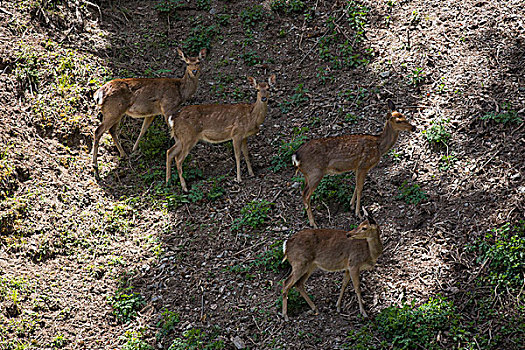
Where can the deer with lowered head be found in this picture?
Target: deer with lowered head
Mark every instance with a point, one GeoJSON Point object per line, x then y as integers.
{"type": "Point", "coordinates": [339, 154]}
{"type": "Point", "coordinates": [331, 250]}
{"type": "Point", "coordinates": [217, 123]}
{"type": "Point", "coordinates": [143, 98]}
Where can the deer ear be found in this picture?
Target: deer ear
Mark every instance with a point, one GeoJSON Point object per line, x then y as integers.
{"type": "Point", "coordinates": [202, 54]}
{"type": "Point", "coordinates": [181, 54]}
{"type": "Point", "coordinates": [271, 80]}
{"type": "Point", "coordinates": [391, 105]}
{"type": "Point", "coordinates": [253, 82]}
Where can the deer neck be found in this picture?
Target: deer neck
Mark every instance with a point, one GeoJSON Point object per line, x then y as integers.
{"type": "Point", "coordinates": [388, 138]}
{"type": "Point", "coordinates": [259, 111]}
{"type": "Point", "coordinates": [375, 246]}
{"type": "Point", "coordinates": [189, 85]}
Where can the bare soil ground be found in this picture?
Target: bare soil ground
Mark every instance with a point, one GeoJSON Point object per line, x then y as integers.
{"type": "Point", "coordinates": [71, 245]}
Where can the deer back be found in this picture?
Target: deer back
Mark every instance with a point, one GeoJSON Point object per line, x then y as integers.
{"type": "Point", "coordinates": [327, 249]}
{"type": "Point", "coordinates": [334, 155]}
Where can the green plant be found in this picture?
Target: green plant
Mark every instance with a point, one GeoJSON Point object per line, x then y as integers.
{"type": "Point", "coordinates": [200, 37]}
{"type": "Point", "coordinates": [59, 342]}
{"type": "Point", "coordinates": [411, 193]}
{"type": "Point", "coordinates": [216, 190]}
{"type": "Point", "coordinates": [416, 77]}
{"type": "Point", "coordinates": [134, 341]}
{"type": "Point", "coordinates": [299, 97]}
{"type": "Point", "coordinates": [251, 58]}
{"type": "Point", "coordinates": [167, 323]}
{"type": "Point", "coordinates": [196, 339]}
{"type": "Point", "coordinates": [438, 132]}
{"type": "Point", "coordinates": [155, 142]}
{"type": "Point", "coordinates": [503, 117]}
{"type": "Point", "coordinates": [203, 5]}
{"type": "Point", "coordinates": [288, 6]}
{"type": "Point", "coordinates": [254, 214]}
{"type": "Point", "coordinates": [504, 250]}
{"type": "Point", "coordinates": [447, 161]}
{"type": "Point", "coordinates": [253, 16]}
{"type": "Point", "coordinates": [223, 19]}
{"type": "Point", "coordinates": [410, 327]}
{"type": "Point", "coordinates": [125, 304]}
{"type": "Point", "coordinates": [337, 188]}
{"type": "Point", "coordinates": [283, 158]}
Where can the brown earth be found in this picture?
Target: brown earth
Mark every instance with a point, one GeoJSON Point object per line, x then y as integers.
{"type": "Point", "coordinates": [69, 242]}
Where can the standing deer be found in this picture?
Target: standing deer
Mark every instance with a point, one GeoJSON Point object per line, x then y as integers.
{"type": "Point", "coordinates": [217, 123]}
{"type": "Point", "coordinates": [335, 155]}
{"type": "Point", "coordinates": [331, 250]}
{"type": "Point", "coordinates": [143, 98]}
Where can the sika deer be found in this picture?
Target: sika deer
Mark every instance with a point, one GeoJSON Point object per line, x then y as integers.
{"type": "Point", "coordinates": [331, 250]}
{"type": "Point", "coordinates": [143, 98]}
{"type": "Point", "coordinates": [217, 123]}
{"type": "Point", "coordinates": [335, 155]}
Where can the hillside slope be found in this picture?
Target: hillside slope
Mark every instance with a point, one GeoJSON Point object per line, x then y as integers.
{"type": "Point", "coordinates": [128, 262]}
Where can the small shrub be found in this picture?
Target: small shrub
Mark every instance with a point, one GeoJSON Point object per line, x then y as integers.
{"type": "Point", "coordinates": [200, 37]}
{"type": "Point", "coordinates": [204, 5]}
{"type": "Point", "coordinates": [416, 77]}
{"type": "Point", "coordinates": [196, 339]}
{"type": "Point", "coordinates": [504, 249]}
{"type": "Point", "coordinates": [125, 304]}
{"type": "Point", "coordinates": [507, 115]}
{"type": "Point", "coordinates": [253, 16]}
{"type": "Point", "coordinates": [407, 326]}
{"type": "Point", "coordinates": [134, 341]}
{"type": "Point", "coordinates": [253, 215]}
{"type": "Point", "coordinates": [447, 161]}
{"type": "Point", "coordinates": [283, 158]}
{"type": "Point", "coordinates": [288, 6]}
{"type": "Point", "coordinates": [299, 97]}
{"type": "Point", "coordinates": [167, 323]}
{"type": "Point", "coordinates": [168, 6]}
{"type": "Point", "coordinates": [335, 188]}
{"type": "Point", "coordinates": [438, 132]}
{"type": "Point", "coordinates": [411, 193]}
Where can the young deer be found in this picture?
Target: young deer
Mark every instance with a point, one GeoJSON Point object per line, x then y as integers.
{"type": "Point", "coordinates": [331, 250]}
{"type": "Point", "coordinates": [335, 155]}
{"type": "Point", "coordinates": [217, 123]}
{"type": "Point", "coordinates": [143, 98]}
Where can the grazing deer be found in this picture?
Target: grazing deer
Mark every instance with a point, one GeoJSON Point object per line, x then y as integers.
{"type": "Point", "coordinates": [143, 98]}
{"type": "Point", "coordinates": [331, 250]}
{"type": "Point", "coordinates": [335, 155]}
{"type": "Point", "coordinates": [217, 123]}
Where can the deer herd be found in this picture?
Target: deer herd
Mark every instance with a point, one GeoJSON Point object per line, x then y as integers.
{"type": "Point", "coordinates": [331, 250]}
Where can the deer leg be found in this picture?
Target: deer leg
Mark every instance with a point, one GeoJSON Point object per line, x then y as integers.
{"type": "Point", "coordinates": [246, 155]}
{"type": "Point", "coordinates": [170, 154]}
{"type": "Point", "coordinates": [354, 273]}
{"type": "Point", "coordinates": [185, 150]}
{"type": "Point", "coordinates": [346, 279]}
{"type": "Point", "coordinates": [289, 283]}
{"type": "Point", "coordinates": [237, 151]}
{"type": "Point", "coordinates": [145, 125]}
{"type": "Point", "coordinates": [359, 182]}
{"type": "Point", "coordinates": [355, 189]}
{"type": "Point", "coordinates": [114, 135]}
{"type": "Point", "coordinates": [312, 180]}
{"type": "Point", "coordinates": [300, 287]}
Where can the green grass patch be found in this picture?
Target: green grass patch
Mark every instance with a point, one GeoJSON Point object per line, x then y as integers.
{"type": "Point", "coordinates": [253, 215]}
{"type": "Point", "coordinates": [411, 193]}
{"type": "Point", "coordinates": [125, 304]}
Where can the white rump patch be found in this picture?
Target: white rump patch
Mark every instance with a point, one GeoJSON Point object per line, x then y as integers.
{"type": "Point", "coordinates": [170, 121]}
{"type": "Point", "coordinates": [284, 247]}
{"type": "Point", "coordinates": [99, 96]}
{"type": "Point", "coordinates": [294, 160]}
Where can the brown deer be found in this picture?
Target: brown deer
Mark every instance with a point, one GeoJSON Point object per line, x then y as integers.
{"type": "Point", "coordinates": [218, 123]}
{"type": "Point", "coordinates": [335, 155]}
{"type": "Point", "coordinates": [331, 250]}
{"type": "Point", "coordinates": [143, 98]}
